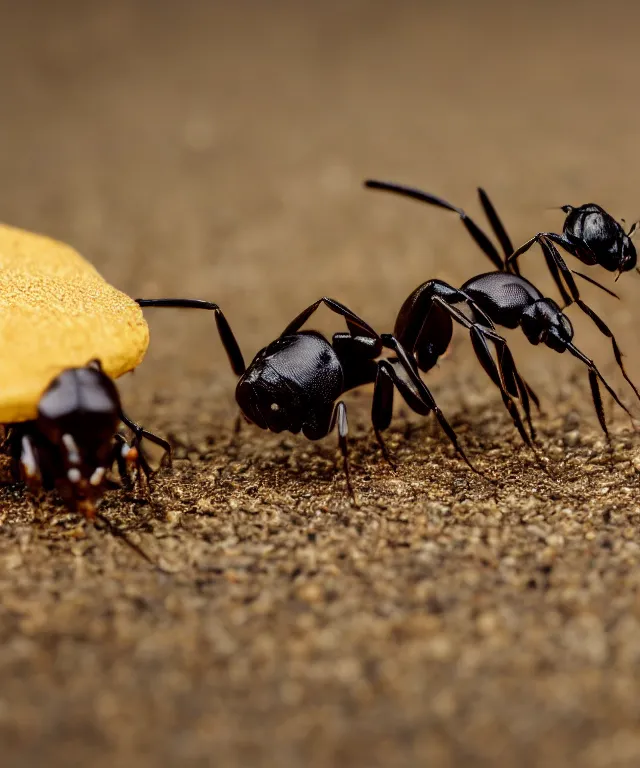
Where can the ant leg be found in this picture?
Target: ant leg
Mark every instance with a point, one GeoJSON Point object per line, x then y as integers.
{"type": "Point", "coordinates": [231, 346]}
{"type": "Point", "coordinates": [382, 408]}
{"type": "Point", "coordinates": [516, 386]}
{"type": "Point", "coordinates": [121, 453]}
{"type": "Point", "coordinates": [512, 377]}
{"type": "Point", "coordinates": [555, 262]}
{"type": "Point", "coordinates": [339, 416]}
{"type": "Point", "coordinates": [559, 270]}
{"type": "Point", "coordinates": [596, 283]}
{"type": "Point", "coordinates": [594, 375]}
{"type": "Point", "coordinates": [559, 239]}
{"type": "Point", "coordinates": [27, 463]}
{"type": "Point", "coordinates": [558, 267]}
{"type": "Point", "coordinates": [474, 230]}
{"type": "Point", "coordinates": [134, 453]}
{"type": "Point", "coordinates": [463, 320]}
{"type": "Point", "coordinates": [599, 323]}
{"type": "Point", "coordinates": [597, 402]}
{"type": "Point", "coordinates": [553, 259]}
{"type": "Point", "coordinates": [506, 376]}
{"type": "Point", "coordinates": [424, 396]}
{"type": "Point", "coordinates": [483, 354]}
{"type": "Point", "coordinates": [496, 224]}
{"type": "Point", "coordinates": [140, 433]}
{"type": "Point", "coordinates": [129, 456]}
{"type": "Point", "coordinates": [534, 397]}
{"type": "Point", "coordinates": [356, 324]}
{"type": "Point", "coordinates": [604, 329]}
{"type": "Point", "coordinates": [554, 271]}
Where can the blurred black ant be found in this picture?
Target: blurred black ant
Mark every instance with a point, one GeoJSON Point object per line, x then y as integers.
{"type": "Point", "coordinates": [424, 323]}
{"type": "Point", "coordinates": [293, 383]}
{"type": "Point", "coordinates": [590, 234]}
{"type": "Point", "coordinates": [73, 442]}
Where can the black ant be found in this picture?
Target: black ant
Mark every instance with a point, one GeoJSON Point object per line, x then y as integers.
{"type": "Point", "coordinates": [73, 442]}
{"type": "Point", "coordinates": [294, 382]}
{"type": "Point", "coordinates": [424, 323]}
{"type": "Point", "coordinates": [594, 237]}
{"type": "Point", "coordinates": [590, 234]}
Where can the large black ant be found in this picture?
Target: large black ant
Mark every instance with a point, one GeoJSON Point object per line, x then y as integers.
{"type": "Point", "coordinates": [590, 234]}
{"type": "Point", "coordinates": [294, 382]}
{"type": "Point", "coordinates": [594, 237]}
{"type": "Point", "coordinates": [73, 442]}
{"type": "Point", "coordinates": [424, 323]}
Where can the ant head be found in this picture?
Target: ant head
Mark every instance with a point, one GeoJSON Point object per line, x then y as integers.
{"type": "Point", "coordinates": [78, 416]}
{"type": "Point", "coordinates": [544, 323]}
{"type": "Point", "coordinates": [260, 394]}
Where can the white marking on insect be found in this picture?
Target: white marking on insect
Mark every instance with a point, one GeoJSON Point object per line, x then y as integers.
{"type": "Point", "coordinates": [72, 448]}
{"type": "Point", "coordinates": [275, 407]}
{"type": "Point", "coordinates": [96, 477]}
{"type": "Point", "coordinates": [74, 475]}
{"type": "Point", "coordinates": [28, 459]}
{"type": "Point", "coordinates": [124, 451]}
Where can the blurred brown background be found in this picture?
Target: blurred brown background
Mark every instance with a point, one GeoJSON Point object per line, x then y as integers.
{"type": "Point", "coordinates": [217, 150]}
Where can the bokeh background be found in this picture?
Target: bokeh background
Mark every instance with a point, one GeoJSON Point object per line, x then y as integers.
{"type": "Point", "coordinates": [216, 150]}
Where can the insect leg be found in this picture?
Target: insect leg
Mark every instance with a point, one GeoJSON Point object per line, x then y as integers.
{"type": "Point", "coordinates": [423, 394]}
{"type": "Point", "coordinates": [141, 433]}
{"type": "Point", "coordinates": [594, 375]}
{"type": "Point", "coordinates": [231, 346]}
{"type": "Point", "coordinates": [357, 326]}
{"type": "Point", "coordinates": [382, 407]}
{"type": "Point", "coordinates": [339, 416]}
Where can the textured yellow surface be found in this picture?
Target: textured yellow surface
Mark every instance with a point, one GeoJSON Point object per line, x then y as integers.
{"type": "Point", "coordinates": [57, 312]}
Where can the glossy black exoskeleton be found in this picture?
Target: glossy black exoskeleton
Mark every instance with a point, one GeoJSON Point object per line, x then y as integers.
{"type": "Point", "coordinates": [594, 237]}
{"type": "Point", "coordinates": [73, 442]}
{"type": "Point", "coordinates": [589, 231]}
{"type": "Point", "coordinates": [516, 302]}
{"type": "Point", "coordinates": [424, 327]}
{"type": "Point", "coordinates": [294, 382]}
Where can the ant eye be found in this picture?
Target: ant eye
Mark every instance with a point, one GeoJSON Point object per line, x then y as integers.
{"type": "Point", "coordinates": [275, 407]}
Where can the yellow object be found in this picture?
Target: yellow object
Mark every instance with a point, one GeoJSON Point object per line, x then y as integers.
{"type": "Point", "coordinates": [57, 312]}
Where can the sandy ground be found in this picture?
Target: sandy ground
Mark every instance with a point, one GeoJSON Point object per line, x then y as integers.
{"type": "Point", "coordinates": [217, 150]}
